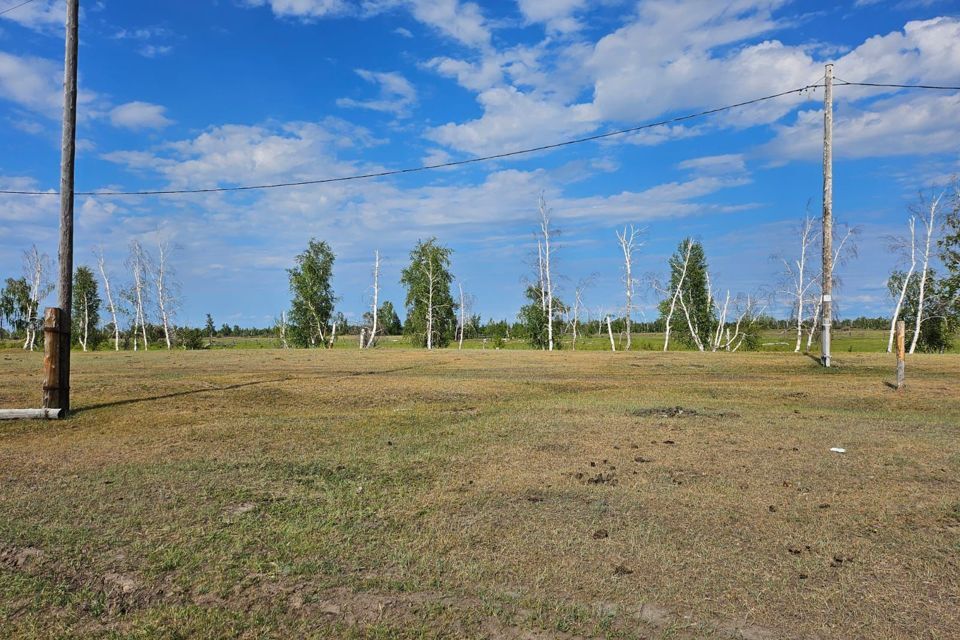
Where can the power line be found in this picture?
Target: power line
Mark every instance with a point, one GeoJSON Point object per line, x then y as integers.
{"type": "Point", "coordinates": [16, 6]}
{"type": "Point", "coordinates": [496, 156]}
{"type": "Point", "coordinates": [896, 86]}
{"type": "Point", "coordinates": [442, 165]}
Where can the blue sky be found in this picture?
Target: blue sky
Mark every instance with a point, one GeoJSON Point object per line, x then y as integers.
{"type": "Point", "coordinates": [204, 93]}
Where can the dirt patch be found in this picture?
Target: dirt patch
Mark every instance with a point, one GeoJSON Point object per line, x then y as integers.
{"type": "Point", "coordinates": [20, 558]}
{"type": "Point", "coordinates": [665, 412]}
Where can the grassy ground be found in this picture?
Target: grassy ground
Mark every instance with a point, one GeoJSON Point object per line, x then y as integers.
{"type": "Point", "coordinates": [844, 341]}
{"type": "Point", "coordinates": [499, 494]}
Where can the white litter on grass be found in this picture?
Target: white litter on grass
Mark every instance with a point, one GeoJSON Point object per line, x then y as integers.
{"type": "Point", "coordinates": [838, 450]}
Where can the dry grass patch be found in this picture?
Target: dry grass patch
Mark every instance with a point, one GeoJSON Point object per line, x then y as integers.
{"type": "Point", "coordinates": [491, 494]}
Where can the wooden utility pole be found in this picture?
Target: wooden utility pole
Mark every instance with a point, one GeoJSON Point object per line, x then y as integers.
{"type": "Point", "coordinates": [67, 157]}
{"type": "Point", "coordinates": [827, 308]}
{"type": "Point", "coordinates": [54, 334]}
{"type": "Point", "coordinates": [901, 333]}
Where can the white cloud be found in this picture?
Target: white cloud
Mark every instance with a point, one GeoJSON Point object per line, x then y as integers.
{"type": "Point", "coordinates": [715, 165]}
{"type": "Point", "coordinates": [307, 9]}
{"type": "Point", "coordinates": [241, 154]}
{"type": "Point", "coordinates": [36, 84]}
{"type": "Point", "coordinates": [146, 37]}
{"type": "Point", "coordinates": [139, 115]}
{"type": "Point", "coordinates": [910, 125]}
{"type": "Point", "coordinates": [397, 95]}
{"type": "Point", "coordinates": [512, 119]}
{"type": "Point", "coordinates": [557, 15]}
{"type": "Point", "coordinates": [461, 21]}
{"type": "Point", "coordinates": [33, 83]}
{"type": "Point", "coordinates": [40, 15]}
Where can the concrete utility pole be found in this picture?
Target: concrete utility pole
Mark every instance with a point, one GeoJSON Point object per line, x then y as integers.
{"type": "Point", "coordinates": [67, 156]}
{"type": "Point", "coordinates": [827, 309]}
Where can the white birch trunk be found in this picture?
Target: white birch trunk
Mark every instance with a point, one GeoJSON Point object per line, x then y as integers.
{"type": "Point", "coordinates": [86, 322]}
{"type": "Point", "coordinates": [462, 325]}
{"type": "Point", "coordinates": [576, 315]}
{"type": "Point", "coordinates": [930, 223]}
{"type": "Point", "coordinates": [163, 301]}
{"type": "Point", "coordinates": [430, 306]}
{"type": "Point", "coordinates": [138, 266]}
{"type": "Point", "coordinates": [546, 231]}
{"type": "Point", "coordinates": [110, 304]}
{"type": "Point", "coordinates": [806, 236]}
{"type": "Point", "coordinates": [613, 345]}
{"type": "Point", "coordinates": [906, 282]}
{"type": "Point", "coordinates": [628, 246]}
{"type": "Point", "coordinates": [676, 294]}
{"type": "Point", "coordinates": [376, 294]}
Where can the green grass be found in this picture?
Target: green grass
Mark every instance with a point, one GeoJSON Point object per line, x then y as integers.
{"type": "Point", "coordinates": [397, 493]}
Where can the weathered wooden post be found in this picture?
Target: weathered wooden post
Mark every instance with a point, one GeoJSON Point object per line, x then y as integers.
{"type": "Point", "coordinates": [53, 334]}
{"type": "Point", "coordinates": [901, 331]}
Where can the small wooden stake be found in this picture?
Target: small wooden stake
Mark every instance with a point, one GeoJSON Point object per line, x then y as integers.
{"type": "Point", "coordinates": [53, 334]}
{"type": "Point", "coordinates": [900, 339]}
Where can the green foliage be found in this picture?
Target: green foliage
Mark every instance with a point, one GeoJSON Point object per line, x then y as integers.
{"type": "Point", "coordinates": [313, 299]}
{"type": "Point", "coordinates": [695, 295]}
{"type": "Point", "coordinates": [15, 304]}
{"type": "Point", "coordinates": [533, 317]}
{"type": "Point", "coordinates": [950, 256]}
{"type": "Point", "coordinates": [427, 280]}
{"type": "Point", "coordinates": [86, 306]}
{"type": "Point", "coordinates": [210, 328]}
{"type": "Point", "coordinates": [940, 318]}
{"type": "Point", "coordinates": [388, 320]}
{"type": "Point", "coordinates": [192, 339]}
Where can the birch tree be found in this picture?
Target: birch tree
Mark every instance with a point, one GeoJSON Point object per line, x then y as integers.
{"type": "Point", "coordinates": [677, 290]}
{"type": "Point", "coordinates": [461, 328]}
{"type": "Point", "coordinates": [280, 326]}
{"type": "Point", "coordinates": [313, 298]}
{"type": "Point", "coordinates": [546, 253]}
{"type": "Point", "coordinates": [629, 243]}
{"type": "Point", "coordinates": [138, 263]}
{"type": "Point", "coordinates": [86, 307]}
{"type": "Point", "coordinates": [111, 305]}
{"type": "Point", "coordinates": [577, 307]}
{"type": "Point", "coordinates": [431, 310]}
{"type": "Point", "coordinates": [165, 290]}
{"type": "Point", "coordinates": [912, 244]}
{"type": "Point", "coordinates": [36, 267]}
{"type": "Point", "coordinates": [796, 274]}
{"type": "Point", "coordinates": [844, 249]}
{"type": "Point", "coordinates": [929, 222]}
{"type": "Point", "coordinates": [374, 308]}
{"type": "Point", "coordinates": [690, 289]}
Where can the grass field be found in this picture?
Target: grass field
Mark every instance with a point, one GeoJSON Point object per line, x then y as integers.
{"type": "Point", "coordinates": [844, 341]}
{"type": "Point", "coordinates": [498, 494]}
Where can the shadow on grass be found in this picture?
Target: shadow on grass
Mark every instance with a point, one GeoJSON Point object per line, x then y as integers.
{"type": "Point", "coordinates": [176, 394]}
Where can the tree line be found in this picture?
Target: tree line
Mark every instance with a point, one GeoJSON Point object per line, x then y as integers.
{"type": "Point", "coordinates": [140, 309]}
{"type": "Point", "coordinates": [137, 311]}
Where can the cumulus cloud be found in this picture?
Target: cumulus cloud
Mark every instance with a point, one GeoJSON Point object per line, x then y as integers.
{"type": "Point", "coordinates": [242, 154]}
{"type": "Point", "coordinates": [462, 21]}
{"type": "Point", "coordinates": [46, 16]}
{"type": "Point", "coordinates": [907, 125]}
{"type": "Point", "coordinates": [512, 119]}
{"type": "Point", "coordinates": [396, 96]}
{"type": "Point", "coordinates": [32, 83]}
{"type": "Point", "coordinates": [305, 9]}
{"type": "Point", "coordinates": [557, 15]}
{"type": "Point", "coordinates": [139, 115]}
